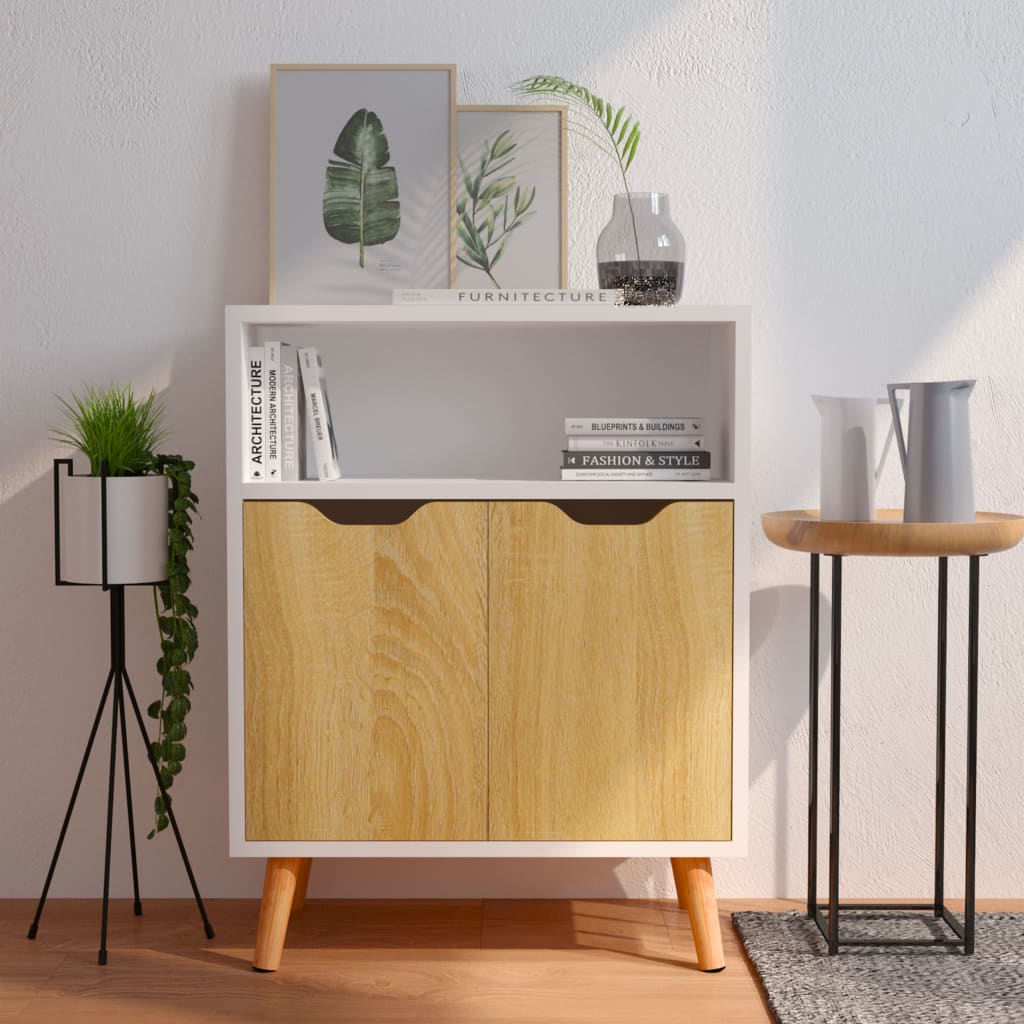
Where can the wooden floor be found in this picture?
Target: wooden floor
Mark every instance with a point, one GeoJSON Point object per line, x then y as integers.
{"type": "Point", "coordinates": [600, 961]}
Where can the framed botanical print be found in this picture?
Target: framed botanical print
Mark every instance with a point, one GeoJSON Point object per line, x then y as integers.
{"type": "Point", "coordinates": [510, 212]}
{"type": "Point", "coordinates": [361, 182]}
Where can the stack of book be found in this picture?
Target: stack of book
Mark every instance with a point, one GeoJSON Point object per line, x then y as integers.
{"type": "Point", "coordinates": [288, 418]}
{"type": "Point", "coordinates": [656, 448]}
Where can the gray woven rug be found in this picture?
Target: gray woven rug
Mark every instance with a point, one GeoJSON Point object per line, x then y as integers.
{"type": "Point", "coordinates": [879, 985]}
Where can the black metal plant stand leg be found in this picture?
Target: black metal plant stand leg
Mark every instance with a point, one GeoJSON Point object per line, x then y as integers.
{"type": "Point", "coordinates": [118, 684]}
{"type": "Point", "coordinates": [963, 929]}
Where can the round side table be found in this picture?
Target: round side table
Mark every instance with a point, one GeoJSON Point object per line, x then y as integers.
{"type": "Point", "coordinates": [889, 536]}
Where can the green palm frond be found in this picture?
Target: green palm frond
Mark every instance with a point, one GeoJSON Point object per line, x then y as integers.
{"type": "Point", "coordinates": [617, 132]}
{"type": "Point", "coordinates": [613, 130]}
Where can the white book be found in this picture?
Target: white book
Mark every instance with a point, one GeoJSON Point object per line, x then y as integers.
{"type": "Point", "coordinates": [635, 425]}
{"type": "Point", "coordinates": [318, 414]}
{"type": "Point", "coordinates": [654, 443]}
{"type": "Point", "coordinates": [255, 415]}
{"type": "Point", "coordinates": [272, 390]}
{"type": "Point", "coordinates": [507, 297]}
{"type": "Point", "coordinates": [292, 415]}
{"type": "Point", "coordinates": [636, 474]}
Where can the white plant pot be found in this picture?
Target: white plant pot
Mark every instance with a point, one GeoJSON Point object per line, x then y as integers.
{"type": "Point", "coordinates": [137, 520]}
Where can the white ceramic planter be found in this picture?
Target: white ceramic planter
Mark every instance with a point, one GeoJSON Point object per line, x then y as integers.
{"type": "Point", "coordinates": [137, 508]}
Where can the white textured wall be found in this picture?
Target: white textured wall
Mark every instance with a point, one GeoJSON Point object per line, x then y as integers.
{"type": "Point", "coordinates": [853, 173]}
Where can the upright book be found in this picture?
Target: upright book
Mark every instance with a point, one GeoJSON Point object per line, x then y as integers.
{"type": "Point", "coordinates": [255, 415]}
{"type": "Point", "coordinates": [272, 404]}
{"type": "Point", "coordinates": [292, 415]}
{"type": "Point", "coordinates": [318, 414]}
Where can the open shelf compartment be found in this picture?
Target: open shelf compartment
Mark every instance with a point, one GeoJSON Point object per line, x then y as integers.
{"type": "Point", "coordinates": [459, 402]}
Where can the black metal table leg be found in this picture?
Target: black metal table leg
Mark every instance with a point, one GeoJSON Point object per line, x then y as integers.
{"type": "Point", "coordinates": [972, 751]}
{"type": "Point", "coordinates": [812, 744]}
{"type": "Point", "coordinates": [963, 931]}
{"type": "Point", "coordinates": [940, 740]}
{"type": "Point", "coordinates": [834, 759]}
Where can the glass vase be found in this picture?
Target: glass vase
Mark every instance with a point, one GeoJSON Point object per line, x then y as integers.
{"type": "Point", "coordinates": [641, 251]}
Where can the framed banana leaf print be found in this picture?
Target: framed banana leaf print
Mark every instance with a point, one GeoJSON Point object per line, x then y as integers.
{"type": "Point", "coordinates": [362, 183]}
{"type": "Point", "coordinates": [510, 197]}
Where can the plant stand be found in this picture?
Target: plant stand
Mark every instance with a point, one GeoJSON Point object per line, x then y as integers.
{"type": "Point", "coordinates": [120, 684]}
{"type": "Point", "coordinates": [118, 681]}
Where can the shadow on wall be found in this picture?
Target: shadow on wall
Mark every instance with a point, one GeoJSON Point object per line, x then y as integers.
{"type": "Point", "coordinates": [243, 206]}
{"type": "Point", "coordinates": [779, 620]}
{"type": "Point", "coordinates": [913, 207]}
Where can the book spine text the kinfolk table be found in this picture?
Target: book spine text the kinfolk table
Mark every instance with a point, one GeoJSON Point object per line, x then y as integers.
{"type": "Point", "coordinates": [649, 442]}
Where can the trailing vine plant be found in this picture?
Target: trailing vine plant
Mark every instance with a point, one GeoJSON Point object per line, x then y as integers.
{"type": "Point", "coordinates": [613, 131]}
{"type": "Point", "coordinates": [179, 640]}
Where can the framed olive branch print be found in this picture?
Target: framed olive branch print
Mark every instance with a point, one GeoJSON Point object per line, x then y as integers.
{"type": "Point", "coordinates": [362, 184]}
{"type": "Point", "coordinates": [510, 197]}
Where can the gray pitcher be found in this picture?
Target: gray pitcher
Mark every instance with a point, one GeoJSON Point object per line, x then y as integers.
{"type": "Point", "coordinates": [936, 454]}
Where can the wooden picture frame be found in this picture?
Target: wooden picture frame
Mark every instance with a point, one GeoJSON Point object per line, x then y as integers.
{"type": "Point", "coordinates": [531, 156]}
{"type": "Point", "coordinates": [362, 183]}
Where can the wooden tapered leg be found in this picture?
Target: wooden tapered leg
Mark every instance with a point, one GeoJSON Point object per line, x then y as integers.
{"type": "Point", "coordinates": [695, 890]}
{"type": "Point", "coordinates": [278, 892]}
{"type": "Point", "coordinates": [301, 883]}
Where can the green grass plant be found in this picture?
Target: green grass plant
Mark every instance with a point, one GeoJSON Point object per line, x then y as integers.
{"type": "Point", "coordinates": [113, 427]}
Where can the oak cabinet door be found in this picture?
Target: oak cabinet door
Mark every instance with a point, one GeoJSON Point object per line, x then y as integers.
{"type": "Point", "coordinates": [610, 674]}
{"type": "Point", "coordinates": [365, 673]}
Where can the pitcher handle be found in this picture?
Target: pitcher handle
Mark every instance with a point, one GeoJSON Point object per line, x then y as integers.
{"type": "Point", "coordinates": [886, 447]}
{"type": "Point", "coordinates": [897, 423]}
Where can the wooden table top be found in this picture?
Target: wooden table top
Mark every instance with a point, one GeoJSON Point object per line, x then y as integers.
{"type": "Point", "coordinates": [888, 535]}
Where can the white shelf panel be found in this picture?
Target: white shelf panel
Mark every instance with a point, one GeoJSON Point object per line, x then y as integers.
{"type": "Point", "coordinates": [566, 314]}
{"type": "Point", "coordinates": [489, 490]}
